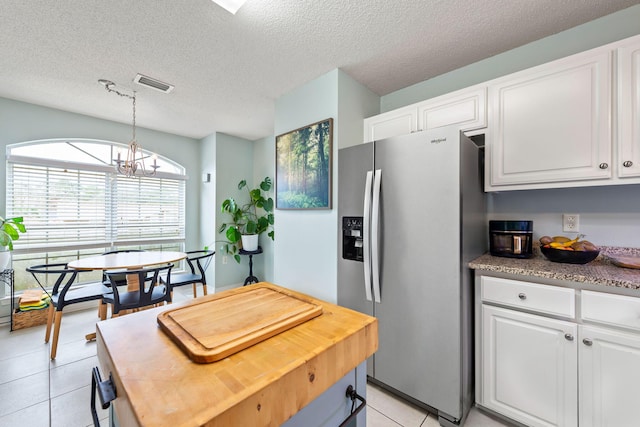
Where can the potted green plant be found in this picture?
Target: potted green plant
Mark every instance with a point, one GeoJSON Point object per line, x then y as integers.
{"type": "Point", "coordinates": [10, 229]}
{"type": "Point", "coordinates": [248, 220]}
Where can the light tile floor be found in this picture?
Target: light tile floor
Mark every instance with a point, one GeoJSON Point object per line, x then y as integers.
{"type": "Point", "coordinates": [35, 391]}
{"type": "Point", "coordinates": [386, 410]}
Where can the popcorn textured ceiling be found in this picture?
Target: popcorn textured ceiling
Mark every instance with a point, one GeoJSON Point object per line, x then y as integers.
{"type": "Point", "coordinates": [228, 70]}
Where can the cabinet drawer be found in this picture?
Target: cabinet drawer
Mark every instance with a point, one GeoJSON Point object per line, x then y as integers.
{"type": "Point", "coordinates": [609, 309]}
{"type": "Point", "coordinates": [531, 296]}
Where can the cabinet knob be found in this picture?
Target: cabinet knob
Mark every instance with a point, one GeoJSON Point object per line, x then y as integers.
{"type": "Point", "coordinates": [568, 337]}
{"type": "Point", "coordinates": [604, 165]}
{"type": "Point", "coordinates": [587, 341]}
{"type": "Point", "coordinates": [627, 164]}
{"type": "Point", "coordinates": [522, 296]}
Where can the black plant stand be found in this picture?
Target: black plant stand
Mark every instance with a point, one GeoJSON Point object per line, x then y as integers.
{"type": "Point", "coordinates": [251, 279]}
{"type": "Point", "coordinates": [6, 276]}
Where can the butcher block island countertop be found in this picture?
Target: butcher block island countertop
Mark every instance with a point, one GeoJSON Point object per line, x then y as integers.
{"type": "Point", "coordinates": [158, 383]}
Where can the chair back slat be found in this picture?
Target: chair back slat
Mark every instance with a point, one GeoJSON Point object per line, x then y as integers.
{"type": "Point", "coordinates": [150, 291]}
{"type": "Point", "coordinates": [121, 279]}
{"type": "Point", "coordinates": [200, 257]}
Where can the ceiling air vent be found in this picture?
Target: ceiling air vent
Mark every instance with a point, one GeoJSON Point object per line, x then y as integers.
{"type": "Point", "coordinates": [153, 83]}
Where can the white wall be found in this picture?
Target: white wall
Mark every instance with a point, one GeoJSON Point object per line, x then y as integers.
{"type": "Point", "coordinates": [20, 122]}
{"type": "Point", "coordinates": [609, 216]}
{"type": "Point", "coordinates": [607, 29]}
{"type": "Point", "coordinates": [233, 163]}
{"type": "Point", "coordinates": [208, 206]}
{"type": "Point", "coordinates": [355, 102]}
{"type": "Point", "coordinates": [306, 248]}
{"type": "Point", "coordinates": [263, 166]}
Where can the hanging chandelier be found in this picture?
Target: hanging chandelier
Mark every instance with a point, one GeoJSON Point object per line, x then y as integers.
{"type": "Point", "coordinates": [134, 163]}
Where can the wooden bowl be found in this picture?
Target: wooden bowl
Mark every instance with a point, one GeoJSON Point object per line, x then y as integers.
{"type": "Point", "coordinates": [569, 257]}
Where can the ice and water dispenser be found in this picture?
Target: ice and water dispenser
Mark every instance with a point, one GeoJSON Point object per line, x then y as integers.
{"type": "Point", "coordinates": [352, 238]}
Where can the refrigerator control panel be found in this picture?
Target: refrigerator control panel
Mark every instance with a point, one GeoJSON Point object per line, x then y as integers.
{"type": "Point", "coordinates": [352, 238]}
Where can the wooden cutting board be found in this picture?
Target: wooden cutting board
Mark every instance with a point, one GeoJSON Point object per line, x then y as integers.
{"type": "Point", "coordinates": [626, 261]}
{"type": "Point", "coordinates": [211, 330]}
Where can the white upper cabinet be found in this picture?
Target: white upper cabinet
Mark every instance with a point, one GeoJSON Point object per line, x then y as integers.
{"type": "Point", "coordinates": [551, 124]}
{"type": "Point", "coordinates": [628, 63]}
{"type": "Point", "coordinates": [466, 108]}
{"type": "Point", "coordinates": [402, 121]}
{"type": "Point", "coordinates": [569, 123]}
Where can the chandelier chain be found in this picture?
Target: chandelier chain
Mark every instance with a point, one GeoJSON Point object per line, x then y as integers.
{"type": "Point", "coordinates": [135, 160]}
{"type": "Point", "coordinates": [109, 86]}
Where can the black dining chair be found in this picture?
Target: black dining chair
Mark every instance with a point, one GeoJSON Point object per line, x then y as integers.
{"type": "Point", "coordinates": [151, 291]}
{"type": "Point", "coordinates": [198, 261]}
{"type": "Point", "coordinates": [122, 280]}
{"type": "Point", "coordinates": [63, 295]}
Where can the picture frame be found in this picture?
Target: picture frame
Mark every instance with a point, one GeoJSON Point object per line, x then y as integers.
{"type": "Point", "coordinates": [304, 167]}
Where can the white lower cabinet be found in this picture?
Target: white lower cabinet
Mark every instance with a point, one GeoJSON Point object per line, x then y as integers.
{"type": "Point", "coordinates": [541, 365]}
{"type": "Point", "coordinates": [529, 370]}
{"type": "Point", "coordinates": [609, 377]}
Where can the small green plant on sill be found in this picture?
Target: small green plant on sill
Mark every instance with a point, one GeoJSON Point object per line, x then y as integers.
{"type": "Point", "coordinates": [254, 217]}
{"type": "Point", "coordinates": [10, 229]}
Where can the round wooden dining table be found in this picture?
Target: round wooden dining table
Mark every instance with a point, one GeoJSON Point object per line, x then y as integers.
{"type": "Point", "coordinates": [124, 261]}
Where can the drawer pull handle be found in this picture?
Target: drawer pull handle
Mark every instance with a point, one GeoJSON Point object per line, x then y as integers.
{"type": "Point", "coordinates": [568, 337]}
{"type": "Point", "coordinates": [603, 165]}
{"type": "Point", "coordinates": [627, 164]}
{"type": "Point", "coordinates": [522, 296]}
{"type": "Point", "coordinates": [587, 341]}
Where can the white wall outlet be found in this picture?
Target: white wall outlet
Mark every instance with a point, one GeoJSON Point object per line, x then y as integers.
{"type": "Point", "coordinates": [224, 259]}
{"type": "Point", "coordinates": [571, 222]}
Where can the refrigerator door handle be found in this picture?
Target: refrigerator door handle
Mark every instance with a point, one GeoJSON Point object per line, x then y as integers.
{"type": "Point", "coordinates": [375, 236]}
{"type": "Point", "coordinates": [366, 235]}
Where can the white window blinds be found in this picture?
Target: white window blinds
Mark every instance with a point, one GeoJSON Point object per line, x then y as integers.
{"type": "Point", "coordinates": [73, 205]}
{"type": "Point", "coordinates": [64, 207]}
{"type": "Point", "coordinates": [148, 209]}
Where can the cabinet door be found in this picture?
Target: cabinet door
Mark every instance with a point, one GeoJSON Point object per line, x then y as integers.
{"type": "Point", "coordinates": [529, 367]}
{"type": "Point", "coordinates": [398, 122]}
{"type": "Point", "coordinates": [629, 109]}
{"type": "Point", "coordinates": [466, 108]}
{"type": "Point", "coordinates": [550, 125]}
{"type": "Point", "coordinates": [609, 377]}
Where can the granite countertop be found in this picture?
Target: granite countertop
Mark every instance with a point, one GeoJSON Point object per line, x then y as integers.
{"type": "Point", "coordinates": [599, 271]}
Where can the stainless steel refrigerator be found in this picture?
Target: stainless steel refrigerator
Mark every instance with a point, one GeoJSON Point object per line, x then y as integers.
{"type": "Point", "coordinates": [412, 214]}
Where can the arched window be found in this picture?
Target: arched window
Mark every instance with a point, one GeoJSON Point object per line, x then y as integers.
{"type": "Point", "coordinates": [74, 204]}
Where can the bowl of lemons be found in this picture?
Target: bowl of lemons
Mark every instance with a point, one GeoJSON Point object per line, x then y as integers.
{"type": "Point", "coordinates": [567, 250]}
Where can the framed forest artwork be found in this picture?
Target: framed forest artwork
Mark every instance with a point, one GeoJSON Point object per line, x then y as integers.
{"type": "Point", "coordinates": [303, 167]}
